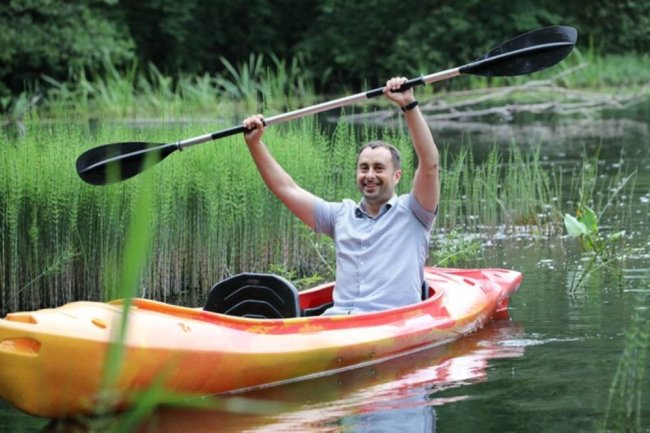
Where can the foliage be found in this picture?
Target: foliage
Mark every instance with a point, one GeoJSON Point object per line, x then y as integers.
{"type": "Point", "coordinates": [423, 37]}
{"type": "Point", "coordinates": [614, 26]}
{"type": "Point", "coordinates": [341, 44]}
{"type": "Point", "coordinates": [219, 217]}
{"type": "Point", "coordinates": [584, 228]}
{"type": "Point", "coordinates": [122, 282]}
{"type": "Point", "coordinates": [263, 83]}
{"type": "Point", "coordinates": [517, 193]}
{"type": "Point", "coordinates": [54, 37]}
{"type": "Point", "coordinates": [602, 251]}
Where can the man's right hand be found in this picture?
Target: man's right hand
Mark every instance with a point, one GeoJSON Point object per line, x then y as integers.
{"type": "Point", "coordinates": [254, 129]}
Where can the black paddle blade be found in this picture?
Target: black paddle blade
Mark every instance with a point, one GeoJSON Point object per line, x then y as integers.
{"type": "Point", "coordinates": [115, 162]}
{"type": "Point", "coordinates": [527, 53]}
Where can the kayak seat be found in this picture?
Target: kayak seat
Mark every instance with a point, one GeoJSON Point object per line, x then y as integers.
{"type": "Point", "coordinates": [260, 296]}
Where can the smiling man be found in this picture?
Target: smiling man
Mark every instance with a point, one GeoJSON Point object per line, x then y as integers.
{"type": "Point", "coordinates": [382, 241]}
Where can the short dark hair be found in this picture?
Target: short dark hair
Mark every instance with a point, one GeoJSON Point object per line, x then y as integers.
{"type": "Point", "coordinates": [395, 156]}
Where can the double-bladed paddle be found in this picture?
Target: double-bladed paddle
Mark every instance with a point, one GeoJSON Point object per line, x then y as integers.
{"type": "Point", "coordinates": [527, 53]}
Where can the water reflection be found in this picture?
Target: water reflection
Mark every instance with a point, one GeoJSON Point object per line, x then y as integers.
{"type": "Point", "coordinates": [564, 139]}
{"type": "Point", "coordinates": [396, 395]}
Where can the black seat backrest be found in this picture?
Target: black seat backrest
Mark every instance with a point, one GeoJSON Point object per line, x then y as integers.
{"type": "Point", "coordinates": [262, 296]}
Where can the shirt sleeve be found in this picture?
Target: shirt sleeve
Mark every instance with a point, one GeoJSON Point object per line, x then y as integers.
{"type": "Point", "coordinates": [426, 218]}
{"type": "Point", "coordinates": [325, 216]}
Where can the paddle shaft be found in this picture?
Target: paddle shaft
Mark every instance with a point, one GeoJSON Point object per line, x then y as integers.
{"type": "Point", "coordinates": [318, 108]}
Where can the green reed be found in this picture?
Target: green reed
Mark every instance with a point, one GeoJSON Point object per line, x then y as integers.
{"type": "Point", "coordinates": [141, 91]}
{"type": "Point", "coordinates": [59, 237]}
{"type": "Point", "coordinates": [507, 190]}
{"type": "Point", "coordinates": [597, 206]}
{"type": "Point", "coordinates": [625, 404]}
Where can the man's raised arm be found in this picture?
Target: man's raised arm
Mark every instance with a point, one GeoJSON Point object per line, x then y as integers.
{"type": "Point", "coordinates": [426, 185]}
{"type": "Point", "coordinates": [295, 198]}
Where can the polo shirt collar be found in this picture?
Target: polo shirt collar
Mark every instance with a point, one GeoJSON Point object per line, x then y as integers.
{"type": "Point", "coordinates": [360, 212]}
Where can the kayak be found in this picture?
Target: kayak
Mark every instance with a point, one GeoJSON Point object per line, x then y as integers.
{"type": "Point", "coordinates": [52, 361]}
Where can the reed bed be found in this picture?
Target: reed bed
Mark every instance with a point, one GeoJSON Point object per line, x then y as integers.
{"type": "Point", "coordinates": [211, 215]}
{"type": "Point", "coordinates": [262, 83]}
{"type": "Point", "coordinates": [269, 83]}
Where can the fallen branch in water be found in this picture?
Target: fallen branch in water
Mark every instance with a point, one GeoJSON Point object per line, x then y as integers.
{"type": "Point", "coordinates": [552, 98]}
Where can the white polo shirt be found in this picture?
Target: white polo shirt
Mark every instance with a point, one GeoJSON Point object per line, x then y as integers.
{"type": "Point", "coordinates": [379, 260]}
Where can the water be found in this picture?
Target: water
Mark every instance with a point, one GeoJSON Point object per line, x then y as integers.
{"type": "Point", "coordinates": [548, 369]}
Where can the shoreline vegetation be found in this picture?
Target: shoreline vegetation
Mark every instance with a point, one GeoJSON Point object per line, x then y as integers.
{"type": "Point", "coordinates": [271, 85]}
{"type": "Point", "coordinates": [212, 216]}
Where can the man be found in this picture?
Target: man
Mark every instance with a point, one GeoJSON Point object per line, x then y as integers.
{"type": "Point", "coordinates": [381, 242]}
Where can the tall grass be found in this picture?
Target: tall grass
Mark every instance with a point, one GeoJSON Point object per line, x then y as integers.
{"type": "Point", "coordinates": [625, 403]}
{"type": "Point", "coordinates": [507, 190]}
{"type": "Point", "coordinates": [59, 237]}
{"type": "Point", "coordinates": [262, 83]}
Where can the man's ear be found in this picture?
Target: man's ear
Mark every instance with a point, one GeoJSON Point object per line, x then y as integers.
{"type": "Point", "coordinates": [398, 175]}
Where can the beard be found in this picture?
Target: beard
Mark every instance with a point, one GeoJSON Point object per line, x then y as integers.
{"type": "Point", "coordinates": [375, 192]}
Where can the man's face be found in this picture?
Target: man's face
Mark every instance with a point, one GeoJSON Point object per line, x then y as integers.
{"type": "Point", "coordinates": [376, 176]}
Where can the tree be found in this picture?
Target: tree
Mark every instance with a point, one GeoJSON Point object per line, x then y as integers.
{"type": "Point", "coordinates": [372, 40]}
{"type": "Point", "coordinates": [56, 37]}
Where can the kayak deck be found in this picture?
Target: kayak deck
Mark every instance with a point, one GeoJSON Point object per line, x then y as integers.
{"type": "Point", "coordinates": [52, 361]}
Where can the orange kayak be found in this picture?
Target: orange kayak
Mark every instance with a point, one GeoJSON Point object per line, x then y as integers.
{"type": "Point", "coordinates": [52, 361]}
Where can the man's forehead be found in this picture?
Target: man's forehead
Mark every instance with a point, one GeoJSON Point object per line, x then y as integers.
{"type": "Point", "coordinates": [378, 154]}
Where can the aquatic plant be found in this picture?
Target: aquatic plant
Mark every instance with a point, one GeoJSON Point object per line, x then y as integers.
{"type": "Point", "coordinates": [602, 251]}
{"type": "Point", "coordinates": [625, 402]}
{"type": "Point", "coordinates": [143, 91]}
{"type": "Point", "coordinates": [217, 217]}
{"type": "Point", "coordinates": [504, 191]}
{"type": "Point", "coordinates": [271, 82]}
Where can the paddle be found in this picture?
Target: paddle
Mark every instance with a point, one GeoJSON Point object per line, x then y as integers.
{"type": "Point", "coordinates": [527, 53]}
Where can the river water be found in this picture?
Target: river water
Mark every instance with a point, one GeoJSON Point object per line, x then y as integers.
{"type": "Point", "coordinates": [550, 368]}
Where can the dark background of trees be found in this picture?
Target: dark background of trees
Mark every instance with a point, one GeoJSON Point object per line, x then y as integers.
{"type": "Point", "coordinates": [352, 43]}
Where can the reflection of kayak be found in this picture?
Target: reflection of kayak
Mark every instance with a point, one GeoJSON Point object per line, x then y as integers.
{"type": "Point", "coordinates": [51, 361]}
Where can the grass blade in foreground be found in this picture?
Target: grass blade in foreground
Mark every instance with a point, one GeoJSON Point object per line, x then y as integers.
{"type": "Point", "coordinates": [136, 254]}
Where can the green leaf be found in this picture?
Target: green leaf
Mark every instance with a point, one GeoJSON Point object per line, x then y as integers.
{"type": "Point", "coordinates": [589, 219]}
{"type": "Point", "coordinates": [574, 227]}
